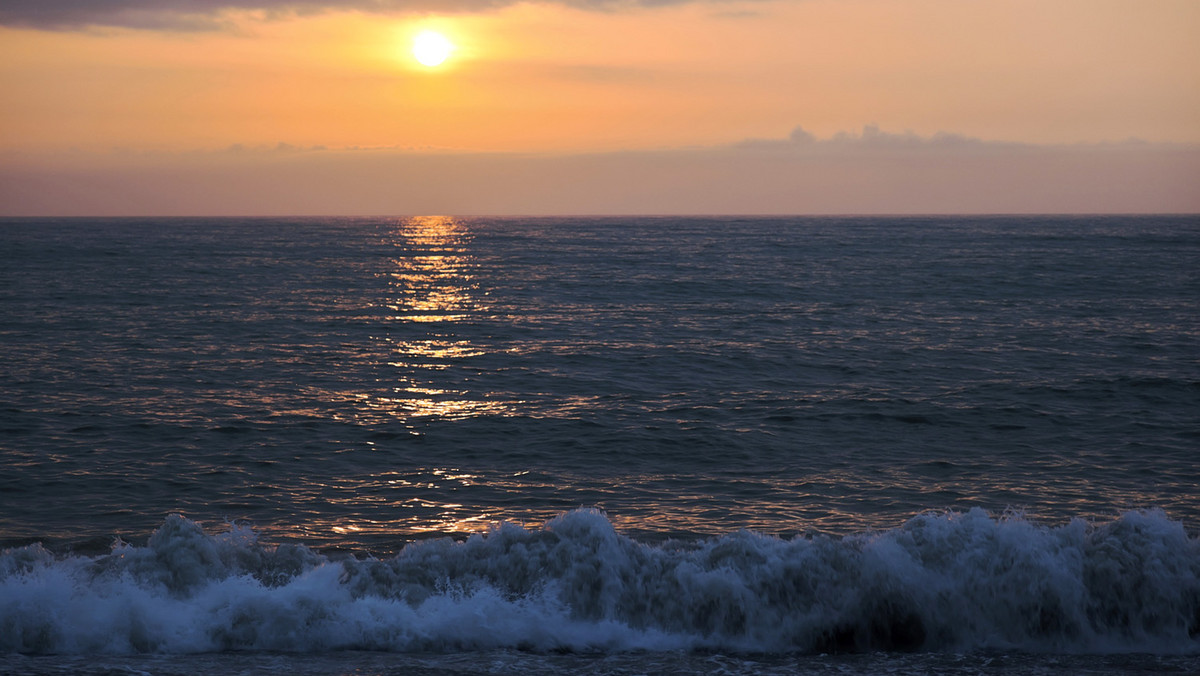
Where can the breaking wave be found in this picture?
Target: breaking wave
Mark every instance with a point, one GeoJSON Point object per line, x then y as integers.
{"type": "Point", "coordinates": [940, 582]}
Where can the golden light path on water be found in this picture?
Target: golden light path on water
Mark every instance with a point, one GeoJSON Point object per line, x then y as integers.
{"type": "Point", "coordinates": [432, 284]}
{"type": "Point", "coordinates": [432, 290]}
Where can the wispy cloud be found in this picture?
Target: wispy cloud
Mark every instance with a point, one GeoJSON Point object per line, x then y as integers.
{"type": "Point", "coordinates": [190, 15]}
{"type": "Point", "coordinates": [869, 172]}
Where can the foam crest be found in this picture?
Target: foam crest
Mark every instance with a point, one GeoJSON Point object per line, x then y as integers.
{"type": "Point", "coordinates": [941, 582]}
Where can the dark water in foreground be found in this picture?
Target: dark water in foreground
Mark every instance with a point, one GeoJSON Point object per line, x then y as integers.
{"type": "Point", "coordinates": [973, 438]}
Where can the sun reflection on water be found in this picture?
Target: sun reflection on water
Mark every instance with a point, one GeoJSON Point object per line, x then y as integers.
{"type": "Point", "coordinates": [432, 280]}
{"type": "Point", "coordinates": [432, 284]}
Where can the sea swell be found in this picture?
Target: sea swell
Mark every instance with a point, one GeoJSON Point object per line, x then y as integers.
{"type": "Point", "coordinates": [941, 582]}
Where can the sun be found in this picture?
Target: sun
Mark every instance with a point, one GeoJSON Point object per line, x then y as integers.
{"type": "Point", "coordinates": [431, 48]}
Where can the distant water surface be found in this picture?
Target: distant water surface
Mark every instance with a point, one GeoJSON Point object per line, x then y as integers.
{"type": "Point", "coordinates": [908, 413]}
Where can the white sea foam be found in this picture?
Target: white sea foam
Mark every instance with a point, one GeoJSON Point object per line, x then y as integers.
{"type": "Point", "coordinates": [940, 582]}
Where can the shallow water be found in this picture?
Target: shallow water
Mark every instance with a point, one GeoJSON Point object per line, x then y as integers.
{"type": "Point", "coordinates": [502, 663]}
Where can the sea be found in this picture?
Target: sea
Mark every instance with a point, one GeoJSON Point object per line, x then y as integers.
{"type": "Point", "coordinates": [444, 446]}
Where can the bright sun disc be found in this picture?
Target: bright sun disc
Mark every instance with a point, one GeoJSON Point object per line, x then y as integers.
{"type": "Point", "coordinates": [430, 48]}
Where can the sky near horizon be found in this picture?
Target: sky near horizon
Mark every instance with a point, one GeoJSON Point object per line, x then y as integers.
{"type": "Point", "coordinates": [130, 107]}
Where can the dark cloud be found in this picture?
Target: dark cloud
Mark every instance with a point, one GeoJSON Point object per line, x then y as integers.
{"type": "Point", "coordinates": [204, 14]}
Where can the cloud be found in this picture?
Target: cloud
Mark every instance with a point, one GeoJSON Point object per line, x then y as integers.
{"type": "Point", "coordinates": [870, 138]}
{"type": "Point", "coordinates": [205, 14]}
{"type": "Point", "coordinates": [871, 172]}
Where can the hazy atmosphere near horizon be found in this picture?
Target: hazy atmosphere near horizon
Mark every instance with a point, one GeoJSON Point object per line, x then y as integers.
{"type": "Point", "coordinates": [681, 337]}
{"type": "Point", "coordinates": [274, 107]}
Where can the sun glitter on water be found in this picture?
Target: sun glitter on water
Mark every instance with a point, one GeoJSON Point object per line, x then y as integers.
{"type": "Point", "coordinates": [431, 48]}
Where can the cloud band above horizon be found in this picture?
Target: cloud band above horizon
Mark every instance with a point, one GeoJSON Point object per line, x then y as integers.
{"type": "Point", "coordinates": [874, 172]}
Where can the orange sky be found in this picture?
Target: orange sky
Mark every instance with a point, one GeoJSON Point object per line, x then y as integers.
{"type": "Point", "coordinates": [537, 77]}
{"type": "Point", "coordinates": [552, 78]}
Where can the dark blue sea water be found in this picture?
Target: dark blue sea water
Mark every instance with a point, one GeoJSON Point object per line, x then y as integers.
{"type": "Point", "coordinates": [572, 445]}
